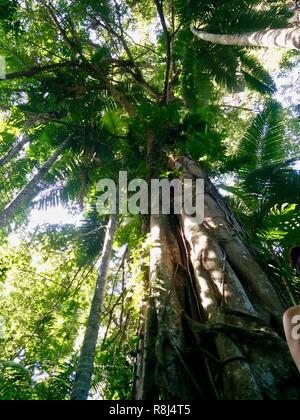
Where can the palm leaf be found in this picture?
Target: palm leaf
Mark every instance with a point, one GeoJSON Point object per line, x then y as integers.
{"type": "Point", "coordinates": [232, 16]}
{"type": "Point", "coordinates": [275, 184]}
{"type": "Point", "coordinates": [263, 144]}
{"type": "Point", "coordinates": [254, 71]}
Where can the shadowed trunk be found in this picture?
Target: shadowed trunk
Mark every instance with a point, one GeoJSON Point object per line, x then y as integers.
{"type": "Point", "coordinates": [218, 320]}
{"type": "Point", "coordinates": [14, 150]}
{"type": "Point", "coordinates": [31, 189]}
{"type": "Point", "coordinates": [288, 38]}
{"type": "Point", "coordinates": [146, 387]}
{"type": "Point", "coordinates": [86, 362]}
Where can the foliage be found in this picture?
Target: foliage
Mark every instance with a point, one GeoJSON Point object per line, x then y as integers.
{"type": "Point", "coordinates": [105, 74]}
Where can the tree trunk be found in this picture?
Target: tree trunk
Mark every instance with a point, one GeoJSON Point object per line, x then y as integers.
{"type": "Point", "coordinates": [86, 362]}
{"type": "Point", "coordinates": [31, 189]}
{"type": "Point", "coordinates": [288, 38]}
{"type": "Point", "coordinates": [218, 330]}
{"type": "Point", "coordinates": [14, 150]}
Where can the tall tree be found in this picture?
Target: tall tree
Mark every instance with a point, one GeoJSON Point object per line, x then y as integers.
{"type": "Point", "coordinates": [285, 37]}
{"type": "Point", "coordinates": [84, 373]}
{"type": "Point", "coordinates": [213, 327]}
{"type": "Point", "coordinates": [31, 189]}
{"type": "Point", "coordinates": [14, 150]}
{"type": "Point", "coordinates": [288, 38]}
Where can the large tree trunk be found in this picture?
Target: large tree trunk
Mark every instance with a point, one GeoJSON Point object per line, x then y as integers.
{"type": "Point", "coordinates": [31, 189]}
{"type": "Point", "coordinates": [86, 362]}
{"type": "Point", "coordinates": [288, 38]}
{"type": "Point", "coordinates": [213, 327]}
{"type": "Point", "coordinates": [14, 150]}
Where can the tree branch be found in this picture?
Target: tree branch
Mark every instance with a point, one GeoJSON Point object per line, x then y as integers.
{"type": "Point", "coordinates": [239, 107]}
{"type": "Point", "coordinates": [76, 48]}
{"type": "Point", "coordinates": [168, 39]}
{"type": "Point", "coordinates": [36, 70]}
{"type": "Point", "coordinates": [137, 74]}
{"type": "Point", "coordinates": [40, 116]}
{"type": "Point", "coordinates": [58, 25]}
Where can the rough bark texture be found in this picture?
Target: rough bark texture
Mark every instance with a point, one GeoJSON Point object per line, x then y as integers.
{"type": "Point", "coordinates": [14, 150]}
{"type": "Point", "coordinates": [218, 331]}
{"type": "Point", "coordinates": [288, 38]}
{"type": "Point", "coordinates": [86, 362]}
{"type": "Point", "coordinates": [31, 188]}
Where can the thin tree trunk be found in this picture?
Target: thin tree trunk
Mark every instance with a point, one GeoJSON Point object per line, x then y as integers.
{"type": "Point", "coordinates": [149, 387]}
{"type": "Point", "coordinates": [218, 331]}
{"type": "Point", "coordinates": [288, 38]}
{"type": "Point", "coordinates": [14, 150]}
{"type": "Point", "coordinates": [31, 189]}
{"type": "Point", "coordinates": [86, 362]}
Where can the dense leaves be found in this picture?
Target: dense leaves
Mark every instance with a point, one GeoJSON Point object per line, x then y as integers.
{"type": "Point", "coordinates": [112, 76]}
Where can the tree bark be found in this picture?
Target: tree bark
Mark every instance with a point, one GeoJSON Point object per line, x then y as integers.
{"type": "Point", "coordinates": [288, 38]}
{"type": "Point", "coordinates": [31, 189]}
{"type": "Point", "coordinates": [218, 331]}
{"type": "Point", "coordinates": [146, 385]}
{"type": "Point", "coordinates": [14, 150]}
{"type": "Point", "coordinates": [86, 362]}
{"type": "Point", "coordinates": [37, 70]}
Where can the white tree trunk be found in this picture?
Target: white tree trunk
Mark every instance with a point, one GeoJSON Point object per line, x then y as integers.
{"type": "Point", "coordinates": [31, 188]}
{"type": "Point", "coordinates": [288, 38]}
{"type": "Point", "coordinates": [14, 150]}
{"type": "Point", "coordinates": [84, 374]}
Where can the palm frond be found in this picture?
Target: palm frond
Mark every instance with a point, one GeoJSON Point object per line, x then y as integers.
{"type": "Point", "coordinates": [90, 237]}
{"type": "Point", "coordinates": [275, 184]}
{"type": "Point", "coordinates": [15, 382]}
{"type": "Point", "coordinates": [263, 144]}
{"type": "Point", "coordinates": [256, 76]}
{"type": "Point", "coordinates": [232, 16]}
{"type": "Point", "coordinates": [253, 65]}
{"type": "Point", "coordinates": [282, 224]}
